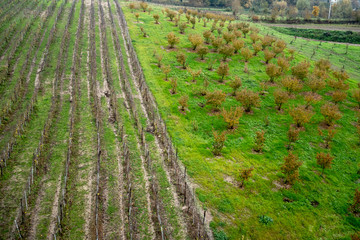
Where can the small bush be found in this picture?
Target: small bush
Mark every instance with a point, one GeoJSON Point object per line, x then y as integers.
{"type": "Point", "coordinates": [300, 115]}
{"type": "Point", "coordinates": [215, 99]}
{"type": "Point", "coordinates": [219, 142]}
{"type": "Point", "coordinates": [172, 39]}
{"type": "Point", "coordinates": [232, 116]}
{"type": "Point", "coordinates": [291, 168]}
{"type": "Point", "coordinates": [324, 160]}
{"type": "Point", "coordinates": [248, 99]}
{"type": "Point", "coordinates": [331, 113]}
{"type": "Point", "coordinates": [280, 97]}
{"type": "Point", "coordinates": [222, 71]}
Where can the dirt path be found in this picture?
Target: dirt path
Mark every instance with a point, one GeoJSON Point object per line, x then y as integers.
{"type": "Point", "coordinates": [329, 27]}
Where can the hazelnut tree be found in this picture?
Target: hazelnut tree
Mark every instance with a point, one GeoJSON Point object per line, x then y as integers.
{"type": "Point", "coordinates": [300, 115]}
{"type": "Point", "coordinates": [248, 99]}
{"type": "Point", "coordinates": [280, 97]}
{"type": "Point", "coordinates": [183, 101]}
{"type": "Point", "coordinates": [215, 99]}
{"type": "Point", "coordinates": [219, 142]}
{"type": "Point", "coordinates": [181, 58]}
{"type": "Point", "coordinates": [232, 116]}
{"type": "Point", "coordinates": [172, 39]}
{"type": "Point", "coordinates": [330, 112]}
{"type": "Point", "coordinates": [235, 84]}
{"type": "Point", "coordinates": [223, 70]}
{"type": "Point", "coordinates": [195, 40]}
{"type": "Point", "coordinates": [324, 160]}
{"type": "Point", "coordinates": [291, 168]}
{"type": "Point", "coordinates": [245, 174]}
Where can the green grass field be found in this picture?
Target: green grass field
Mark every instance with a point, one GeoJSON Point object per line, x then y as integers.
{"type": "Point", "coordinates": [237, 211]}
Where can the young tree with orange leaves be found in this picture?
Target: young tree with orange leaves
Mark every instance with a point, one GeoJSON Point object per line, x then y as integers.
{"type": "Point", "coordinates": [248, 99]}
{"type": "Point", "coordinates": [331, 113]}
{"type": "Point", "coordinates": [215, 99]}
{"type": "Point", "coordinates": [301, 70]}
{"type": "Point", "coordinates": [315, 11]}
{"type": "Point", "coordinates": [280, 97]}
{"type": "Point", "coordinates": [300, 115]}
{"type": "Point", "coordinates": [291, 168]}
{"type": "Point", "coordinates": [273, 71]}
{"type": "Point", "coordinates": [232, 116]}
{"type": "Point", "coordinates": [235, 84]}
{"type": "Point", "coordinates": [172, 39]}
{"type": "Point", "coordinates": [259, 141]}
{"type": "Point", "coordinates": [355, 207]}
{"type": "Point", "coordinates": [324, 160]}
{"type": "Point", "coordinates": [219, 142]}
{"type": "Point", "coordinates": [245, 174]}
{"type": "Point", "coordinates": [195, 40]}
{"type": "Point", "coordinates": [223, 70]}
{"type": "Point", "coordinates": [183, 101]}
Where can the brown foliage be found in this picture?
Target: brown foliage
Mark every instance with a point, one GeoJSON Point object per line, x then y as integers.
{"type": "Point", "coordinates": [173, 83]}
{"type": "Point", "coordinates": [283, 64]}
{"type": "Point", "coordinates": [215, 99]}
{"type": "Point", "coordinates": [166, 70]}
{"type": "Point", "coordinates": [341, 76]}
{"type": "Point", "coordinates": [228, 37]}
{"type": "Point", "coordinates": [172, 39]}
{"type": "Point", "coordinates": [219, 142]}
{"type": "Point", "coordinates": [338, 96]}
{"type": "Point", "coordinates": [156, 18]}
{"type": "Point", "coordinates": [279, 46]}
{"type": "Point", "coordinates": [248, 99]}
{"type": "Point", "coordinates": [254, 37]}
{"type": "Point", "coordinates": [217, 42]}
{"type": "Point", "coordinates": [356, 95]}
{"type": "Point", "coordinates": [207, 36]}
{"type": "Point", "coordinates": [194, 73]}
{"type": "Point", "coordinates": [293, 135]}
{"type": "Point", "coordinates": [323, 64]}
{"type": "Point", "coordinates": [301, 70]}
{"type": "Point", "coordinates": [328, 136]}
{"type": "Point", "coordinates": [195, 40]}
{"type": "Point", "coordinates": [181, 58]}
{"type": "Point", "coordinates": [246, 53]}
{"type": "Point", "coordinates": [268, 55]}
{"type": "Point", "coordinates": [273, 71]}
{"type": "Point", "coordinates": [144, 6]}
{"type": "Point", "coordinates": [182, 27]}
{"type": "Point", "coordinates": [245, 174]}
{"type": "Point", "coordinates": [202, 51]}
{"type": "Point", "coordinates": [311, 98]}
{"type": "Point", "coordinates": [226, 51]}
{"type": "Point", "coordinates": [267, 41]}
{"type": "Point", "coordinates": [316, 84]}
{"type": "Point", "coordinates": [238, 44]}
{"type": "Point", "coordinates": [291, 84]}
{"type": "Point", "coordinates": [280, 98]}
{"type": "Point", "coordinates": [259, 141]}
{"type": "Point", "coordinates": [291, 168]}
{"type": "Point", "coordinates": [231, 117]}
{"type": "Point", "coordinates": [257, 48]}
{"type": "Point", "coordinates": [324, 160]}
{"type": "Point", "coordinates": [183, 101]}
{"type": "Point", "coordinates": [159, 59]}
{"type": "Point", "coordinates": [331, 113]}
{"type": "Point", "coordinates": [300, 115]}
{"type": "Point", "coordinates": [355, 207]}
{"type": "Point", "coordinates": [235, 84]}
{"type": "Point", "coordinates": [223, 70]}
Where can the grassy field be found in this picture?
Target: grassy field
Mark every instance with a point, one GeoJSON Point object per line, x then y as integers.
{"type": "Point", "coordinates": [314, 207]}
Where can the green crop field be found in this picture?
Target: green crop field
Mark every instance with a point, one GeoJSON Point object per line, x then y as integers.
{"type": "Point", "coordinates": [107, 132]}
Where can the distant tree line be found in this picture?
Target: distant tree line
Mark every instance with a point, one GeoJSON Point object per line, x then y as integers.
{"type": "Point", "coordinates": [291, 9]}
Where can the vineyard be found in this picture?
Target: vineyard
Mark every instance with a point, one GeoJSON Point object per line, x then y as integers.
{"type": "Point", "coordinates": [126, 120]}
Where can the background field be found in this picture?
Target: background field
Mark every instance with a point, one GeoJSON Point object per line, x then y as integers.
{"type": "Point", "coordinates": [236, 212]}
